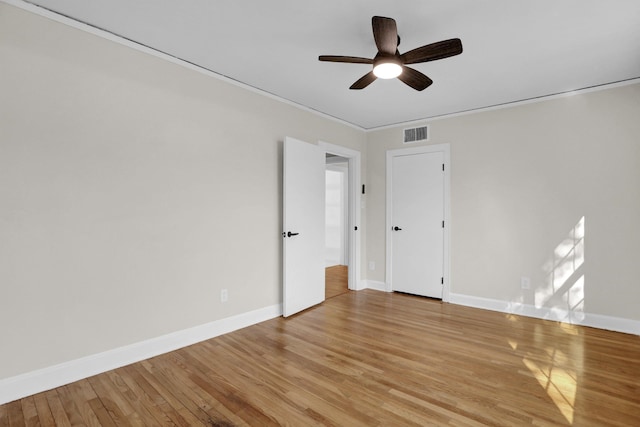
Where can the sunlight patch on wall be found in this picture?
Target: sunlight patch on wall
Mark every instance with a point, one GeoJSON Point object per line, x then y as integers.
{"type": "Point", "coordinates": [564, 287]}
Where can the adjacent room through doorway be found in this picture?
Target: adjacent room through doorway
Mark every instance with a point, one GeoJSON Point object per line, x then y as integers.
{"type": "Point", "coordinates": [336, 227]}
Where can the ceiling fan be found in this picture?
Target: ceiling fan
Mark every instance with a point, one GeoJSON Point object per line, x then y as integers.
{"type": "Point", "coordinates": [389, 63]}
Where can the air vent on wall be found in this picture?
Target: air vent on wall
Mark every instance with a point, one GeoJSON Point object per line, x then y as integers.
{"type": "Point", "coordinates": [416, 135]}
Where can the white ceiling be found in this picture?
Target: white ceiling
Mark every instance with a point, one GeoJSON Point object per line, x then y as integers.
{"type": "Point", "coordinates": [513, 49]}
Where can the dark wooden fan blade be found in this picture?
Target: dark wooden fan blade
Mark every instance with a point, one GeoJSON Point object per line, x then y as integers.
{"type": "Point", "coordinates": [364, 81]}
{"type": "Point", "coordinates": [433, 51]}
{"type": "Point", "coordinates": [385, 34]}
{"type": "Point", "coordinates": [414, 78]}
{"type": "Point", "coordinates": [349, 59]}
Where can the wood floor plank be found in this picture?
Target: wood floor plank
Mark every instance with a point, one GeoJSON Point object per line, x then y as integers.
{"type": "Point", "coordinates": [101, 412]}
{"type": "Point", "coordinates": [367, 359]}
{"type": "Point", "coordinates": [224, 391]}
{"type": "Point", "coordinates": [14, 414]}
{"type": "Point", "coordinates": [92, 411]}
{"type": "Point", "coordinates": [45, 417]}
{"type": "Point", "coordinates": [117, 407]}
{"type": "Point", "coordinates": [57, 409]}
{"type": "Point", "coordinates": [77, 409]}
{"type": "Point", "coordinates": [153, 400]}
{"type": "Point", "coordinates": [4, 415]}
{"type": "Point", "coordinates": [205, 407]}
{"type": "Point", "coordinates": [138, 412]}
{"type": "Point", "coordinates": [30, 412]}
{"type": "Point", "coordinates": [171, 395]}
{"type": "Point", "coordinates": [144, 406]}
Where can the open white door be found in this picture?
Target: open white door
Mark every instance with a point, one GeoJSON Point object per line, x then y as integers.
{"type": "Point", "coordinates": [303, 225]}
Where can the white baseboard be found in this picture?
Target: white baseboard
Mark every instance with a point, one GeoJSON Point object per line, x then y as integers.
{"type": "Point", "coordinates": [599, 321]}
{"type": "Point", "coordinates": [362, 284]}
{"type": "Point", "coordinates": [30, 383]}
{"type": "Point", "coordinates": [376, 285]}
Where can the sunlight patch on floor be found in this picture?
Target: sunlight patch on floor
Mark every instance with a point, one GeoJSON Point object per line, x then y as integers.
{"type": "Point", "coordinates": [560, 384]}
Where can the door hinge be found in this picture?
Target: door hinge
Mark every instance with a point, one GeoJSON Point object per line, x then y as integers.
{"type": "Point", "coordinates": [442, 224]}
{"type": "Point", "coordinates": [355, 228]}
{"type": "Point", "coordinates": [443, 167]}
{"type": "Point", "coordinates": [442, 280]}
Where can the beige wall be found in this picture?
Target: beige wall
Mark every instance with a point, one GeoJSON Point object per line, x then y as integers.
{"type": "Point", "coordinates": [132, 190]}
{"type": "Point", "coordinates": [521, 179]}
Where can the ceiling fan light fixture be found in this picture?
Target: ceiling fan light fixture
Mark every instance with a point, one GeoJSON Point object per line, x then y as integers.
{"type": "Point", "coordinates": [387, 70]}
{"type": "Point", "coordinates": [389, 63]}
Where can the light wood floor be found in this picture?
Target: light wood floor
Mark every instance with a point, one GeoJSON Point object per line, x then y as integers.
{"type": "Point", "coordinates": [367, 358]}
{"type": "Point", "coordinates": [336, 280]}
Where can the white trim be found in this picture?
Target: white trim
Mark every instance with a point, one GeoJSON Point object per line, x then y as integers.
{"type": "Point", "coordinates": [362, 284]}
{"type": "Point", "coordinates": [445, 149]}
{"type": "Point", "coordinates": [600, 321]}
{"type": "Point", "coordinates": [337, 162]}
{"type": "Point", "coordinates": [49, 14]}
{"type": "Point", "coordinates": [543, 98]}
{"type": "Point", "coordinates": [377, 286]}
{"type": "Point", "coordinates": [30, 383]}
{"type": "Point", "coordinates": [354, 159]}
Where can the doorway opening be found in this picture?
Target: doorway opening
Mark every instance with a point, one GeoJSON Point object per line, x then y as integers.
{"type": "Point", "coordinates": [336, 225]}
{"type": "Point", "coordinates": [342, 216]}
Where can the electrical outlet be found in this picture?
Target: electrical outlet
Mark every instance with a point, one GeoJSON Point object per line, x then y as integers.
{"type": "Point", "coordinates": [525, 282]}
{"type": "Point", "coordinates": [224, 295]}
{"type": "Point", "coordinates": [372, 265]}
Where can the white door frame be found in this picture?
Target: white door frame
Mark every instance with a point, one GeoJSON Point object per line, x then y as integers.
{"type": "Point", "coordinates": [353, 253]}
{"type": "Point", "coordinates": [444, 148]}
